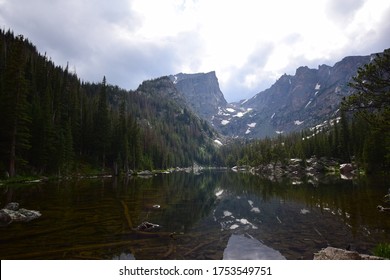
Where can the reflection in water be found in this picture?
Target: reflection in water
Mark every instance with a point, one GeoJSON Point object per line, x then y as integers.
{"type": "Point", "coordinates": [245, 247]}
{"type": "Point", "coordinates": [124, 256]}
{"type": "Point", "coordinates": [202, 216]}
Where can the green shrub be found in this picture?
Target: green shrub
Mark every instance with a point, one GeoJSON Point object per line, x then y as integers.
{"type": "Point", "coordinates": [382, 250]}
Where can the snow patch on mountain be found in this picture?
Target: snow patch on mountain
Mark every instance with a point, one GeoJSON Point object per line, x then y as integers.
{"type": "Point", "coordinates": [231, 110]}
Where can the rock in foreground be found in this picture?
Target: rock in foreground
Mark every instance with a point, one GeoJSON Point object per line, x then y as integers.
{"type": "Point", "coordinates": [331, 253]}
{"type": "Point", "coordinates": [12, 213]}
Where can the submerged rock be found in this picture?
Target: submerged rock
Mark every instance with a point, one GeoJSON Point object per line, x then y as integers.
{"type": "Point", "coordinates": [148, 227]}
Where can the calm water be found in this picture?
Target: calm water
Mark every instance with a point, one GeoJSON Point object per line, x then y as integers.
{"type": "Point", "coordinates": [213, 215]}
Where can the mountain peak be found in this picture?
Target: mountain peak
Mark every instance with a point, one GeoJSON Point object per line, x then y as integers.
{"type": "Point", "coordinates": [201, 91]}
{"type": "Point", "coordinates": [293, 102]}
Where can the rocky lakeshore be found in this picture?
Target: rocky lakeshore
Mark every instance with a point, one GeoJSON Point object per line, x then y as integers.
{"type": "Point", "coordinates": [297, 169]}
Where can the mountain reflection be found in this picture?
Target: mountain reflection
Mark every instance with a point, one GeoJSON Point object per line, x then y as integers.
{"type": "Point", "coordinates": [212, 215]}
{"type": "Point", "coordinates": [245, 247]}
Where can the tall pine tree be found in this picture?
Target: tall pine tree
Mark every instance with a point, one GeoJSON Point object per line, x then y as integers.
{"type": "Point", "coordinates": [102, 124]}
{"type": "Point", "coordinates": [15, 106]}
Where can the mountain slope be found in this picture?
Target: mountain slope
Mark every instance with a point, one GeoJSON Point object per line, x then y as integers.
{"type": "Point", "coordinates": [294, 102]}
{"type": "Point", "coordinates": [172, 134]}
{"type": "Point", "coordinates": [201, 91]}
{"type": "Point", "coordinates": [52, 123]}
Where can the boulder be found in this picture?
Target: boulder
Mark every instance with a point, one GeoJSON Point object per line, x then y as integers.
{"type": "Point", "coordinates": [331, 253]}
{"type": "Point", "coordinates": [14, 206]}
{"type": "Point", "coordinates": [346, 168]}
{"type": "Point", "coordinates": [12, 213]}
{"type": "Point", "coordinates": [5, 219]}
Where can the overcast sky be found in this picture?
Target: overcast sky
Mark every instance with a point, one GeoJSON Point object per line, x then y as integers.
{"type": "Point", "coordinates": [249, 43]}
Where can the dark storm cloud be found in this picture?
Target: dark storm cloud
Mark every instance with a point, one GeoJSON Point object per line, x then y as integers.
{"type": "Point", "coordinates": [72, 26]}
{"type": "Point", "coordinates": [83, 33]}
{"type": "Point", "coordinates": [96, 39]}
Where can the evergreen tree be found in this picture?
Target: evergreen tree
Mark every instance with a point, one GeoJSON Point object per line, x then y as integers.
{"type": "Point", "coordinates": [102, 124]}
{"type": "Point", "coordinates": [371, 102]}
{"type": "Point", "coordinates": [16, 118]}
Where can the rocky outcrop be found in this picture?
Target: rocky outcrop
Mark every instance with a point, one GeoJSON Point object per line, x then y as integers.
{"type": "Point", "coordinates": [331, 253]}
{"type": "Point", "coordinates": [308, 99]}
{"type": "Point", "coordinates": [12, 213]}
{"type": "Point", "coordinates": [201, 92]}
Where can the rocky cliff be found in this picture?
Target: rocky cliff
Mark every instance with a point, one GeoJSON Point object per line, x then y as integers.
{"type": "Point", "coordinates": [307, 99]}
{"type": "Point", "coordinates": [201, 92]}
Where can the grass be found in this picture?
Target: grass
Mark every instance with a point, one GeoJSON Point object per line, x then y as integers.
{"type": "Point", "coordinates": [382, 250]}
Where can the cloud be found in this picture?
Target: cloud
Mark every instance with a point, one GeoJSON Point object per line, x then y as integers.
{"type": "Point", "coordinates": [131, 62]}
{"type": "Point", "coordinates": [79, 32]}
{"type": "Point", "coordinates": [244, 80]}
{"type": "Point", "coordinates": [381, 41]}
{"type": "Point", "coordinates": [249, 43]}
{"type": "Point", "coordinates": [343, 11]}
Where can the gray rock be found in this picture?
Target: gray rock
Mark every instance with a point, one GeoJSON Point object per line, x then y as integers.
{"type": "Point", "coordinates": [11, 213]}
{"type": "Point", "coordinates": [14, 206]}
{"type": "Point", "coordinates": [148, 227]}
{"type": "Point", "coordinates": [5, 219]}
{"type": "Point", "coordinates": [331, 253]}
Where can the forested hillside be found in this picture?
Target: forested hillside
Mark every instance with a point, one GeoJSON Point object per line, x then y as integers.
{"type": "Point", "coordinates": [53, 123]}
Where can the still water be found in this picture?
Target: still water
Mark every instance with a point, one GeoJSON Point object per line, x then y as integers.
{"type": "Point", "coordinates": [212, 215]}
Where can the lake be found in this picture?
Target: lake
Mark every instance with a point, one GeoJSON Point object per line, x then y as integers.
{"type": "Point", "coordinates": [211, 215]}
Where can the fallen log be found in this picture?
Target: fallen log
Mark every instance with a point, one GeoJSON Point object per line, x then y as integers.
{"type": "Point", "coordinates": [383, 209]}
{"type": "Point", "coordinates": [127, 215]}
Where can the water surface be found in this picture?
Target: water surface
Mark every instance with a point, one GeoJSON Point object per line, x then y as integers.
{"type": "Point", "coordinates": [212, 215]}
